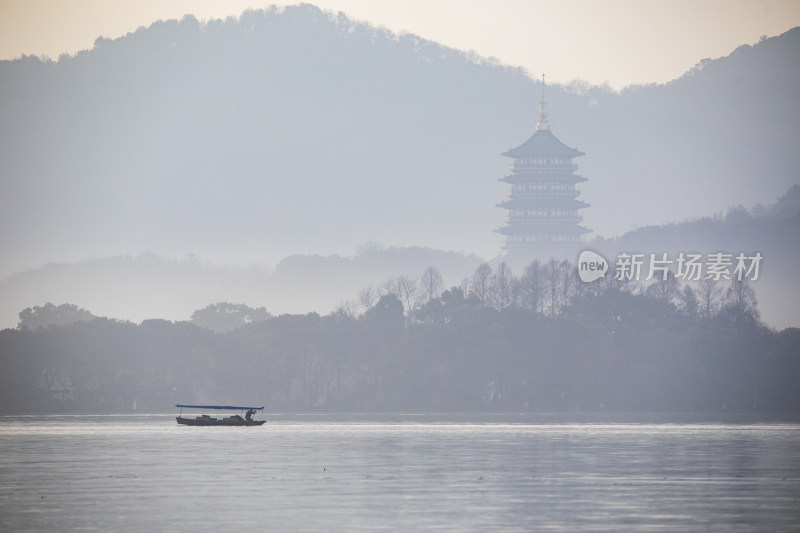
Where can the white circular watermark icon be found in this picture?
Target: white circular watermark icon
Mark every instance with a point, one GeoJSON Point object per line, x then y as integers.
{"type": "Point", "coordinates": [591, 266]}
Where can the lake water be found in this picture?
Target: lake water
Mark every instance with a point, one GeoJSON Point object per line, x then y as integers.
{"type": "Point", "coordinates": [396, 473]}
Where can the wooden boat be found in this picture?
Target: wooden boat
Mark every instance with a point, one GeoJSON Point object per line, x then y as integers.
{"type": "Point", "coordinates": [230, 420]}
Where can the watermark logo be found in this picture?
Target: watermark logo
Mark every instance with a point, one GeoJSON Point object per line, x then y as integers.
{"type": "Point", "coordinates": [684, 266]}
{"type": "Point", "coordinates": [591, 266]}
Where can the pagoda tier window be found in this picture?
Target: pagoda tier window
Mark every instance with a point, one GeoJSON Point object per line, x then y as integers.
{"type": "Point", "coordinates": [541, 212]}
{"type": "Point", "coordinates": [545, 186]}
{"type": "Point", "coordinates": [532, 161]}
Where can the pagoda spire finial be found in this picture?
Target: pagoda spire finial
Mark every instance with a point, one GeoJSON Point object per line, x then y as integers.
{"type": "Point", "coordinates": [544, 123]}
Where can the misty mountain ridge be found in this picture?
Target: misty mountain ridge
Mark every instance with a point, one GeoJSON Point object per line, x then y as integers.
{"type": "Point", "coordinates": [769, 228]}
{"type": "Point", "coordinates": [299, 131]}
{"type": "Point", "coordinates": [283, 131]}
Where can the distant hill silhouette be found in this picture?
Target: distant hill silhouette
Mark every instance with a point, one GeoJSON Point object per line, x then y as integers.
{"type": "Point", "coordinates": [149, 286]}
{"type": "Point", "coordinates": [299, 135]}
{"type": "Point", "coordinates": [769, 230]}
{"type": "Point", "coordinates": [298, 131]}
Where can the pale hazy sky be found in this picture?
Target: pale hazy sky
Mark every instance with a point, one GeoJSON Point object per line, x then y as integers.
{"type": "Point", "coordinates": [616, 41]}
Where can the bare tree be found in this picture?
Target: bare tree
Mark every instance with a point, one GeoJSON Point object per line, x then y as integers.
{"type": "Point", "coordinates": [367, 297]}
{"type": "Point", "coordinates": [407, 291]}
{"type": "Point", "coordinates": [464, 286]}
{"type": "Point", "coordinates": [740, 297]}
{"type": "Point", "coordinates": [431, 284]}
{"type": "Point", "coordinates": [568, 276]}
{"type": "Point", "coordinates": [502, 287]}
{"type": "Point", "coordinates": [552, 286]}
{"type": "Point", "coordinates": [688, 301]}
{"type": "Point", "coordinates": [389, 287]}
{"type": "Point", "coordinates": [346, 309]}
{"type": "Point", "coordinates": [516, 292]}
{"type": "Point", "coordinates": [480, 283]}
{"type": "Point", "coordinates": [531, 287]}
{"type": "Point", "coordinates": [709, 295]}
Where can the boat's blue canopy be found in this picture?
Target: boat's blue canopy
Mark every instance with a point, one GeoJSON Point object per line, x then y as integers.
{"type": "Point", "coordinates": [219, 407]}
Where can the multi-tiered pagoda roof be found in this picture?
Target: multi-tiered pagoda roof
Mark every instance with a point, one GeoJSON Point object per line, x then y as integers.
{"type": "Point", "coordinates": [542, 142]}
{"type": "Point", "coordinates": [542, 202]}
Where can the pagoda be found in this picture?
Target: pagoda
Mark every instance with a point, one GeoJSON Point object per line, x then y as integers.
{"type": "Point", "coordinates": [542, 204]}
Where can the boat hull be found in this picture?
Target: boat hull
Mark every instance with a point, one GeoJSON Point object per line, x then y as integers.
{"type": "Point", "coordinates": [215, 422]}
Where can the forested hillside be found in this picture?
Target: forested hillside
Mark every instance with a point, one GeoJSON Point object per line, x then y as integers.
{"type": "Point", "coordinates": [537, 341]}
